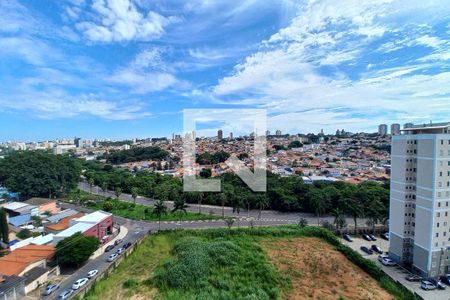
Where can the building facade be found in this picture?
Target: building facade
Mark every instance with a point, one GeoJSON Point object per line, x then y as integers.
{"type": "Point", "coordinates": [382, 129]}
{"type": "Point", "coordinates": [419, 220]}
{"type": "Point", "coordinates": [395, 129]}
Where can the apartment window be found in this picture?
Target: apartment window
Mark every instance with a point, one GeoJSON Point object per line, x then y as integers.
{"type": "Point", "coordinates": [438, 215]}
{"type": "Point", "coordinates": [442, 142]}
{"type": "Point", "coordinates": [440, 174]}
{"type": "Point", "coordinates": [437, 234]}
{"type": "Point", "coordinates": [437, 224]}
{"type": "Point", "coordinates": [439, 204]}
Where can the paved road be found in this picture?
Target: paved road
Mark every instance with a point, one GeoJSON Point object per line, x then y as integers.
{"type": "Point", "coordinates": [267, 215]}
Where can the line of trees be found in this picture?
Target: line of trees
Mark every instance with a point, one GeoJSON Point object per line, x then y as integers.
{"type": "Point", "coordinates": [288, 194]}
{"type": "Point", "coordinates": [136, 154]}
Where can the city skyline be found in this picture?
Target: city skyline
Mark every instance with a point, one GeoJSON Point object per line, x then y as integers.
{"type": "Point", "coordinates": [124, 68]}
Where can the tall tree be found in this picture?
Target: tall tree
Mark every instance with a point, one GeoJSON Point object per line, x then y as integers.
{"type": "Point", "coordinates": [339, 220]}
{"type": "Point", "coordinates": [4, 229]}
{"type": "Point", "coordinates": [104, 188]}
{"type": "Point", "coordinates": [76, 249]}
{"type": "Point", "coordinates": [238, 203]}
{"type": "Point", "coordinates": [318, 202]}
{"type": "Point", "coordinates": [159, 210]}
{"type": "Point", "coordinates": [222, 199]}
{"type": "Point", "coordinates": [180, 206]}
{"type": "Point", "coordinates": [118, 192]}
{"type": "Point", "coordinates": [134, 194]}
{"type": "Point", "coordinates": [261, 202]}
{"type": "Point", "coordinates": [91, 182]}
{"type": "Point", "coordinates": [355, 209]}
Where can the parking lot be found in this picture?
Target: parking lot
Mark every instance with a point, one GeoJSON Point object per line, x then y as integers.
{"type": "Point", "coordinates": [395, 272]}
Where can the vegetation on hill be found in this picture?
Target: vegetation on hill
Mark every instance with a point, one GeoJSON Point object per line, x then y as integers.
{"type": "Point", "coordinates": [136, 154]}
{"type": "Point", "coordinates": [290, 194]}
{"type": "Point", "coordinates": [207, 158]}
{"type": "Point", "coordinates": [39, 173]}
{"type": "Point", "coordinates": [231, 264]}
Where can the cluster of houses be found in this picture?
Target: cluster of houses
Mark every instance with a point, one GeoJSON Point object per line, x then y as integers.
{"type": "Point", "coordinates": [29, 262]}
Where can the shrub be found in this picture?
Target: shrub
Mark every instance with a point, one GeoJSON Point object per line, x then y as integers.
{"type": "Point", "coordinates": [24, 234]}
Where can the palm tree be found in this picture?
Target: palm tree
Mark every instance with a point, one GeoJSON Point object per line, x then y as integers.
{"type": "Point", "coordinates": [223, 199]}
{"type": "Point", "coordinates": [180, 206]}
{"type": "Point", "coordinates": [339, 220]}
{"type": "Point", "coordinates": [134, 194]}
{"type": "Point", "coordinates": [199, 196]}
{"type": "Point", "coordinates": [319, 203]}
{"type": "Point", "coordinates": [355, 209]}
{"type": "Point", "coordinates": [159, 209]}
{"type": "Point", "coordinates": [91, 184]}
{"type": "Point", "coordinates": [104, 188]}
{"type": "Point", "coordinates": [118, 192]}
{"type": "Point", "coordinates": [261, 202]}
{"type": "Point", "coordinates": [238, 203]}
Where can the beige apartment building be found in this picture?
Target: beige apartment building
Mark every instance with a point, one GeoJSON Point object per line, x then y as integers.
{"type": "Point", "coordinates": [419, 217]}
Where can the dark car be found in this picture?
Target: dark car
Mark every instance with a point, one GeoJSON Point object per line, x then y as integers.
{"type": "Point", "coordinates": [366, 237]}
{"type": "Point", "coordinates": [117, 242]}
{"type": "Point", "coordinates": [109, 248]}
{"type": "Point", "coordinates": [385, 236]}
{"type": "Point", "coordinates": [377, 249]}
{"type": "Point", "coordinates": [413, 278]}
{"type": "Point", "coordinates": [437, 283]}
{"type": "Point", "coordinates": [367, 250]}
{"type": "Point", "coordinates": [348, 238]}
{"type": "Point", "coordinates": [127, 245]}
{"type": "Point", "coordinates": [372, 237]}
{"type": "Point", "coordinates": [445, 279]}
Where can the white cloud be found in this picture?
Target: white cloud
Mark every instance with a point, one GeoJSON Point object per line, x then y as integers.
{"type": "Point", "coordinates": [120, 20]}
{"type": "Point", "coordinates": [143, 82]}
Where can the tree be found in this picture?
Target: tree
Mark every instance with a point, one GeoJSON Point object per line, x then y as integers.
{"type": "Point", "coordinates": [159, 210]}
{"type": "Point", "coordinates": [107, 205]}
{"type": "Point", "coordinates": [118, 192]}
{"type": "Point", "coordinates": [91, 184]}
{"type": "Point", "coordinates": [237, 203]}
{"type": "Point", "coordinates": [318, 202]}
{"type": "Point", "coordinates": [374, 211]}
{"type": "Point", "coordinates": [76, 249]}
{"type": "Point", "coordinates": [39, 173]}
{"type": "Point", "coordinates": [302, 222]}
{"type": "Point", "coordinates": [355, 209]}
{"type": "Point", "coordinates": [134, 194]}
{"type": "Point", "coordinates": [104, 188]}
{"type": "Point", "coordinates": [261, 202]}
{"type": "Point", "coordinates": [180, 206]}
{"type": "Point", "coordinates": [37, 221]}
{"type": "Point", "coordinates": [205, 173]}
{"type": "Point", "coordinates": [229, 221]}
{"type": "Point", "coordinates": [223, 199]}
{"type": "Point", "coordinates": [4, 229]}
{"type": "Point", "coordinates": [24, 234]}
{"type": "Point", "coordinates": [339, 220]}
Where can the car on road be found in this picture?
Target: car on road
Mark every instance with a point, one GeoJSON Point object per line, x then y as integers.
{"type": "Point", "coordinates": [79, 283]}
{"type": "Point", "coordinates": [66, 294]}
{"type": "Point", "coordinates": [385, 236]}
{"type": "Point", "coordinates": [117, 242]}
{"type": "Point", "coordinates": [427, 285]}
{"type": "Point", "coordinates": [109, 248]}
{"type": "Point", "coordinates": [50, 289]}
{"type": "Point", "coordinates": [372, 237]}
{"type": "Point", "coordinates": [437, 283]}
{"type": "Point", "coordinates": [92, 273]}
{"type": "Point", "coordinates": [377, 249]}
{"type": "Point", "coordinates": [366, 237]}
{"type": "Point", "coordinates": [120, 250]}
{"type": "Point", "coordinates": [347, 237]}
{"type": "Point", "coordinates": [112, 257]}
{"type": "Point", "coordinates": [127, 245]}
{"type": "Point", "coordinates": [445, 279]}
{"type": "Point", "coordinates": [367, 250]}
{"type": "Point", "coordinates": [413, 278]}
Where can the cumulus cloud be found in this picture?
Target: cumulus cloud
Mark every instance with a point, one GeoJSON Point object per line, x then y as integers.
{"type": "Point", "coordinates": [315, 70]}
{"type": "Point", "coordinates": [121, 20]}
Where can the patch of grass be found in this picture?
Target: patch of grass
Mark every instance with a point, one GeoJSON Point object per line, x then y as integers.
{"type": "Point", "coordinates": [141, 212]}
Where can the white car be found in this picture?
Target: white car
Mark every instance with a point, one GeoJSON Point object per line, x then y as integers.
{"type": "Point", "coordinates": [120, 251]}
{"type": "Point", "coordinates": [92, 273]}
{"type": "Point", "coordinates": [388, 262]}
{"type": "Point", "coordinates": [79, 283]}
{"type": "Point", "coordinates": [112, 257]}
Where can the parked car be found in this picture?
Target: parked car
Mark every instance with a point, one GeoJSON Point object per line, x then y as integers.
{"type": "Point", "coordinates": [445, 279]}
{"type": "Point", "coordinates": [117, 242]}
{"type": "Point", "coordinates": [65, 294]}
{"type": "Point", "coordinates": [413, 278]}
{"type": "Point", "coordinates": [367, 250]}
{"type": "Point", "coordinates": [427, 285]}
{"type": "Point", "coordinates": [377, 249]}
{"type": "Point", "coordinates": [387, 262]}
{"type": "Point", "coordinates": [120, 250]}
{"type": "Point", "coordinates": [437, 283]}
{"type": "Point", "coordinates": [79, 283]}
{"type": "Point", "coordinates": [112, 257]}
{"type": "Point", "coordinates": [372, 237]}
{"type": "Point", "coordinates": [347, 237]}
{"type": "Point", "coordinates": [50, 289]}
{"type": "Point", "coordinates": [385, 236]}
{"type": "Point", "coordinates": [366, 237]}
{"type": "Point", "coordinates": [127, 245]}
{"type": "Point", "coordinates": [92, 273]}
{"type": "Point", "coordinates": [109, 248]}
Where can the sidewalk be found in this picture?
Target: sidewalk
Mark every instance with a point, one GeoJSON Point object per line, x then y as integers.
{"type": "Point", "coordinates": [122, 234]}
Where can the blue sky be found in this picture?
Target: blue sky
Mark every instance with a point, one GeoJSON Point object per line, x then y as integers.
{"type": "Point", "coordinates": [128, 68]}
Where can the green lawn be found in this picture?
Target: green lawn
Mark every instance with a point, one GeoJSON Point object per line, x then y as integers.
{"type": "Point", "coordinates": [216, 264]}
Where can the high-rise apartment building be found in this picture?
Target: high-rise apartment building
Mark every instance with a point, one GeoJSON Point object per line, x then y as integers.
{"type": "Point", "coordinates": [220, 135]}
{"type": "Point", "coordinates": [419, 217]}
{"type": "Point", "coordinates": [382, 130]}
{"type": "Point", "coordinates": [278, 133]}
{"type": "Point", "coordinates": [395, 129]}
